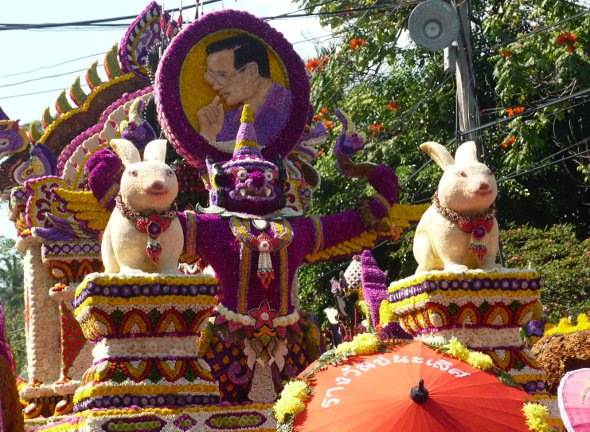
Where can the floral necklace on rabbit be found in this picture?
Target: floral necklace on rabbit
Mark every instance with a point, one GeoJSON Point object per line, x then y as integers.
{"type": "Point", "coordinates": [477, 225]}
{"type": "Point", "coordinates": [153, 224]}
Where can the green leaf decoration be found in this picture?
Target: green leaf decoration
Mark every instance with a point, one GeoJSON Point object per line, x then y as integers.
{"type": "Point", "coordinates": [111, 63]}
{"type": "Point", "coordinates": [47, 118]}
{"type": "Point", "coordinates": [62, 105]}
{"type": "Point", "coordinates": [35, 131]}
{"type": "Point", "coordinates": [76, 92]}
{"type": "Point", "coordinates": [92, 77]}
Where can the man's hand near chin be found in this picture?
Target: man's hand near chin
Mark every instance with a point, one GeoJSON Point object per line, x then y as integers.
{"type": "Point", "coordinates": [211, 119]}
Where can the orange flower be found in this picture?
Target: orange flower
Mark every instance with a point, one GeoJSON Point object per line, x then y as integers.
{"type": "Point", "coordinates": [393, 106]}
{"type": "Point", "coordinates": [324, 110]}
{"type": "Point", "coordinates": [509, 141]}
{"type": "Point", "coordinates": [506, 53]}
{"type": "Point", "coordinates": [320, 153]}
{"type": "Point", "coordinates": [376, 129]}
{"type": "Point", "coordinates": [566, 38]}
{"type": "Point", "coordinates": [357, 43]}
{"type": "Point", "coordinates": [328, 124]}
{"type": "Point", "coordinates": [316, 65]}
{"type": "Point", "coordinates": [514, 110]}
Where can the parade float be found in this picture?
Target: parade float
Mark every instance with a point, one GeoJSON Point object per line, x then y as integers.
{"type": "Point", "coordinates": [160, 283]}
{"type": "Point", "coordinates": [117, 337]}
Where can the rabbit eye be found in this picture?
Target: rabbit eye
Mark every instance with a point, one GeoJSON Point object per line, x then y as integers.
{"type": "Point", "coordinates": [462, 174]}
{"type": "Point", "coordinates": [169, 173]}
{"type": "Point", "coordinates": [133, 173]}
{"type": "Point", "coordinates": [490, 172]}
{"type": "Point", "coordinates": [269, 175]}
{"type": "Point", "coordinates": [242, 174]}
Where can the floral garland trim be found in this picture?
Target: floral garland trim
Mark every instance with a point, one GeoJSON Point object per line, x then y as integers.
{"type": "Point", "coordinates": [247, 320]}
{"type": "Point", "coordinates": [357, 244]}
{"type": "Point", "coordinates": [565, 326]}
{"type": "Point", "coordinates": [442, 276]}
{"type": "Point", "coordinates": [293, 397]}
{"type": "Point", "coordinates": [477, 225]}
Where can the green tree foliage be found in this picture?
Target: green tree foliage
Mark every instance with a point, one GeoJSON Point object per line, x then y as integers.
{"type": "Point", "coordinates": [530, 60]}
{"type": "Point", "coordinates": [13, 300]}
{"type": "Point", "coordinates": [561, 259]}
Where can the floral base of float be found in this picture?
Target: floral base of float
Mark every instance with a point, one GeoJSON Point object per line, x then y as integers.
{"type": "Point", "coordinates": [146, 374]}
{"type": "Point", "coordinates": [144, 329]}
{"type": "Point", "coordinates": [485, 310]}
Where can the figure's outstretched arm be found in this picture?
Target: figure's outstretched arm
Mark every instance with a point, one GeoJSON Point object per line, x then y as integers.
{"type": "Point", "coordinates": [350, 232]}
{"type": "Point", "coordinates": [381, 177]}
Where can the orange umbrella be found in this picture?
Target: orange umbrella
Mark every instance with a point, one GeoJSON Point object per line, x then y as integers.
{"type": "Point", "coordinates": [383, 392]}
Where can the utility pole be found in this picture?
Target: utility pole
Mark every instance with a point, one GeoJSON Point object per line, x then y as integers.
{"type": "Point", "coordinates": [466, 98]}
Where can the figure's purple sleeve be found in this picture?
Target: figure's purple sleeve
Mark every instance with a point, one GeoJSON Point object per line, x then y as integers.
{"type": "Point", "coordinates": [343, 234]}
{"type": "Point", "coordinates": [339, 235]}
{"type": "Point", "coordinates": [188, 222]}
{"type": "Point", "coordinates": [384, 181]}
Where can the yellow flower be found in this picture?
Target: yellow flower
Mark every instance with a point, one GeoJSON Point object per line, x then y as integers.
{"type": "Point", "coordinates": [292, 400]}
{"type": "Point", "coordinates": [536, 417]}
{"type": "Point", "coordinates": [457, 349]}
{"type": "Point", "coordinates": [365, 343]}
{"type": "Point", "coordinates": [345, 348]}
{"type": "Point", "coordinates": [583, 322]}
{"type": "Point", "coordinates": [480, 360]}
{"type": "Point", "coordinates": [296, 389]}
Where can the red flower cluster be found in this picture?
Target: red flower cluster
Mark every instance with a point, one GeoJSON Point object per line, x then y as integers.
{"type": "Point", "coordinates": [567, 39]}
{"type": "Point", "coordinates": [506, 53]}
{"type": "Point", "coordinates": [357, 43]}
{"type": "Point", "coordinates": [392, 106]}
{"type": "Point", "coordinates": [323, 116]}
{"type": "Point", "coordinates": [376, 129]}
{"type": "Point", "coordinates": [514, 110]}
{"type": "Point", "coordinates": [316, 65]}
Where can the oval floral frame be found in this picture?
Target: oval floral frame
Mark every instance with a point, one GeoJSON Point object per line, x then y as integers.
{"type": "Point", "coordinates": [180, 89]}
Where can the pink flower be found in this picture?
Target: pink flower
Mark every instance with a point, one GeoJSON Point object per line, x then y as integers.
{"type": "Point", "coordinates": [263, 316]}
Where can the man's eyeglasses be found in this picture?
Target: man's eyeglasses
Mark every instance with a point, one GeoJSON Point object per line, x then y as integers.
{"type": "Point", "coordinates": [222, 78]}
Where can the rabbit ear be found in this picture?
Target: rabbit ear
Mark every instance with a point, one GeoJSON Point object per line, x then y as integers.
{"type": "Point", "coordinates": [466, 152]}
{"type": "Point", "coordinates": [438, 154]}
{"type": "Point", "coordinates": [126, 151]}
{"type": "Point", "coordinates": [155, 151]}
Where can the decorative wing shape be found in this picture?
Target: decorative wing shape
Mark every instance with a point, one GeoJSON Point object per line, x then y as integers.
{"type": "Point", "coordinates": [85, 208]}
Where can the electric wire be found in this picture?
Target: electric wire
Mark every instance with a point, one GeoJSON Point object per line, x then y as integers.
{"type": "Point", "coordinates": [42, 78]}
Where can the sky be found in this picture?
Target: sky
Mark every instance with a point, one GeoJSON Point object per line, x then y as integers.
{"type": "Point", "coordinates": [29, 57]}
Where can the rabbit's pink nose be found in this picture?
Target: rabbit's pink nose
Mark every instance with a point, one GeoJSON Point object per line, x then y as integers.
{"type": "Point", "coordinates": [157, 185]}
{"type": "Point", "coordinates": [484, 186]}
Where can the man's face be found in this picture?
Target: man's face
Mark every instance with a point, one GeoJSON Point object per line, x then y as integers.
{"type": "Point", "coordinates": [230, 84]}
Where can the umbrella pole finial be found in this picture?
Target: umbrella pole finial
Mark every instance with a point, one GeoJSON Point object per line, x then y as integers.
{"type": "Point", "coordinates": [419, 394]}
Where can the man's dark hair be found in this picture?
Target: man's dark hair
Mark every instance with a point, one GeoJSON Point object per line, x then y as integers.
{"type": "Point", "coordinates": [246, 50]}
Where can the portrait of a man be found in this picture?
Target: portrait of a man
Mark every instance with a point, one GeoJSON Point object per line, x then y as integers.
{"type": "Point", "coordinates": [238, 71]}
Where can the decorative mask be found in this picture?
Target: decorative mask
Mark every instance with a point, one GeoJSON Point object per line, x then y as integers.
{"type": "Point", "coordinates": [247, 183]}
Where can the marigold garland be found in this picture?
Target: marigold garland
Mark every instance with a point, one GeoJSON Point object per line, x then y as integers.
{"type": "Point", "coordinates": [565, 326]}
